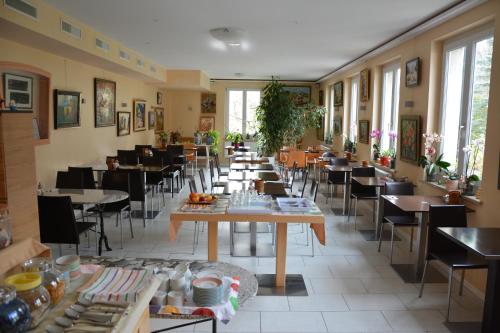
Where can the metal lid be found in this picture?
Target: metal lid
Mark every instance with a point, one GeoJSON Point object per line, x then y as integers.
{"type": "Point", "coordinates": [7, 294]}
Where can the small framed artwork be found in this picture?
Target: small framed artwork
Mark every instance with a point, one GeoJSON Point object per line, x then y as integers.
{"type": "Point", "coordinates": [208, 103]}
{"type": "Point", "coordinates": [299, 95]}
{"type": "Point", "coordinates": [139, 115]}
{"type": "Point", "coordinates": [363, 131]}
{"type": "Point", "coordinates": [207, 123]}
{"type": "Point", "coordinates": [159, 98]}
{"type": "Point", "coordinates": [151, 120]}
{"type": "Point", "coordinates": [338, 93]}
{"type": "Point", "coordinates": [412, 77]}
{"type": "Point", "coordinates": [66, 109]}
{"type": "Point", "coordinates": [321, 98]}
{"type": "Point", "coordinates": [364, 82]}
{"type": "Point", "coordinates": [337, 125]}
{"type": "Point", "coordinates": [18, 91]}
{"type": "Point", "coordinates": [123, 123]}
{"type": "Point", "coordinates": [104, 102]}
{"type": "Point", "coordinates": [410, 138]}
{"type": "Point", "coordinates": [159, 126]}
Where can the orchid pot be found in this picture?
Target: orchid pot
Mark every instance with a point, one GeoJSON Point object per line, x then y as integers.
{"type": "Point", "coordinates": [385, 160]}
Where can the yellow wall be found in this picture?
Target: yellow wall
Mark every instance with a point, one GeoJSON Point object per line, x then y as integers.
{"type": "Point", "coordinates": [426, 99]}
{"type": "Point", "coordinates": [85, 144]}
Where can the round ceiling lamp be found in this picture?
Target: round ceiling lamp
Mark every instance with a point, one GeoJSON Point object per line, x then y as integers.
{"type": "Point", "coordinates": [230, 36]}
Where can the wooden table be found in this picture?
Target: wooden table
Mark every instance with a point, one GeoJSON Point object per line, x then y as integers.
{"type": "Point", "coordinates": [252, 167]}
{"type": "Point", "coordinates": [316, 219]}
{"type": "Point", "coordinates": [248, 175]}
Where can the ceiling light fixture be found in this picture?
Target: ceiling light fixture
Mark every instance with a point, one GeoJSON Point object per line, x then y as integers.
{"type": "Point", "coordinates": [230, 36]}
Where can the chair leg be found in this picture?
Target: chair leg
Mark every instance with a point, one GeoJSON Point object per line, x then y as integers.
{"type": "Point", "coordinates": [380, 236]}
{"type": "Point", "coordinates": [423, 279]}
{"type": "Point", "coordinates": [349, 211]}
{"type": "Point", "coordinates": [172, 186]}
{"type": "Point", "coordinates": [96, 241]}
{"type": "Point", "coordinates": [312, 242]}
{"type": "Point", "coordinates": [88, 239]}
{"type": "Point", "coordinates": [194, 235]}
{"type": "Point", "coordinates": [392, 242]}
{"type": "Point", "coordinates": [411, 239]}
{"type": "Point", "coordinates": [450, 282]}
{"type": "Point", "coordinates": [119, 216]}
{"type": "Point", "coordinates": [355, 212]}
{"type": "Point", "coordinates": [462, 278]}
{"type": "Point", "coordinates": [77, 250]}
{"type": "Point", "coordinates": [130, 223]}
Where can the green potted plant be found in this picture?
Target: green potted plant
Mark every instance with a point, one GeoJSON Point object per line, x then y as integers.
{"type": "Point", "coordinates": [472, 180]}
{"type": "Point", "coordinates": [235, 138]}
{"type": "Point", "coordinates": [175, 136]}
{"type": "Point", "coordinates": [213, 139]}
{"type": "Point", "coordinates": [385, 157]}
{"type": "Point", "coordinates": [163, 138]}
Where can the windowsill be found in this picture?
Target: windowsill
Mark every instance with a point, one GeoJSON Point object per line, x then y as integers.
{"type": "Point", "coordinates": [383, 168]}
{"type": "Point", "coordinates": [468, 198]}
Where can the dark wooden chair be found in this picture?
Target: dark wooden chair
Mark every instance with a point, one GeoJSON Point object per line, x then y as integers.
{"type": "Point", "coordinates": [360, 192]}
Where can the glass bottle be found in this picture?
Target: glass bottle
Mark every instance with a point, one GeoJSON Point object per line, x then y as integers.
{"type": "Point", "coordinates": [52, 279]}
{"type": "Point", "coordinates": [15, 314]}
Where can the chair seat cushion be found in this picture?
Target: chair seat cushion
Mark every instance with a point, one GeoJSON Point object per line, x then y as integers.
{"type": "Point", "coordinates": [84, 226]}
{"type": "Point", "coordinates": [401, 220]}
{"type": "Point", "coordinates": [460, 259]}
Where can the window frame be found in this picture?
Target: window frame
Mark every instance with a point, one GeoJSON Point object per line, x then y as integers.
{"type": "Point", "coordinates": [391, 67]}
{"type": "Point", "coordinates": [244, 108]}
{"type": "Point", "coordinates": [353, 132]}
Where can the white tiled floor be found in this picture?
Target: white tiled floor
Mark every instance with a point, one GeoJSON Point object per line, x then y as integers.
{"type": "Point", "coordinates": [351, 286]}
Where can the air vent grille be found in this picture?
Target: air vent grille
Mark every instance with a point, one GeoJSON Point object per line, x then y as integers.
{"type": "Point", "coordinates": [140, 63]}
{"type": "Point", "coordinates": [124, 55]}
{"type": "Point", "coordinates": [101, 44]}
{"type": "Point", "coordinates": [71, 29]}
{"type": "Point", "coordinates": [23, 7]}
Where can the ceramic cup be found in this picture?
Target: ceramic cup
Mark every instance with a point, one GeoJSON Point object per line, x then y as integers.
{"type": "Point", "coordinates": [178, 282]}
{"type": "Point", "coordinates": [183, 268]}
{"type": "Point", "coordinates": [175, 298]}
{"type": "Point", "coordinates": [165, 279]}
{"type": "Point", "coordinates": [159, 298]}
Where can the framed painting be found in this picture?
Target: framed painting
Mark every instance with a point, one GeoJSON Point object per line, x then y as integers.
{"type": "Point", "coordinates": [208, 103]}
{"type": "Point", "coordinates": [104, 102]}
{"type": "Point", "coordinates": [151, 120]}
{"type": "Point", "coordinates": [139, 115]}
{"type": "Point", "coordinates": [299, 95]}
{"type": "Point", "coordinates": [18, 91]}
{"type": "Point", "coordinates": [321, 98]}
{"type": "Point", "coordinates": [159, 126]}
{"type": "Point", "coordinates": [410, 138]}
{"type": "Point", "coordinates": [364, 82]}
{"type": "Point", "coordinates": [412, 75]}
{"type": "Point", "coordinates": [363, 131]}
{"type": "Point", "coordinates": [123, 123]}
{"type": "Point", "coordinates": [338, 93]}
{"type": "Point", "coordinates": [66, 109]}
{"type": "Point", "coordinates": [337, 125]}
{"type": "Point", "coordinates": [159, 98]}
{"type": "Point", "coordinates": [207, 123]}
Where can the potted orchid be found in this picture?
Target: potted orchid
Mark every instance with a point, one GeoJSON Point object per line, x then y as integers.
{"type": "Point", "coordinates": [471, 153]}
{"type": "Point", "coordinates": [376, 134]}
{"type": "Point", "coordinates": [393, 135]}
{"type": "Point", "coordinates": [430, 161]}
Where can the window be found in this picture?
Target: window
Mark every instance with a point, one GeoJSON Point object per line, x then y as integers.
{"type": "Point", "coordinates": [466, 83]}
{"type": "Point", "coordinates": [353, 116]}
{"type": "Point", "coordinates": [241, 111]}
{"type": "Point", "coordinates": [332, 110]}
{"type": "Point", "coordinates": [390, 104]}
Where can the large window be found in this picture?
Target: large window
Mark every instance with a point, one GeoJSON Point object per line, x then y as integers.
{"type": "Point", "coordinates": [241, 111]}
{"type": "Point", "coordinates": [353, 115]}
{"type": "Point", "coordinates": [466, 84]}
{"type": "Point", "coordinates": [390, 105]}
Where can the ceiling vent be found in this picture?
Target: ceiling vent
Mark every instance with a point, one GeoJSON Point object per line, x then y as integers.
{"type": "Point", "coordinates": [23, 7]}
{"type": "Point", "coordinates": [230, 36]}
{"type": "Point", "coordinates": [140, 63]}
{"type": "Point", "coordinates": [71, 29]}
{"type": "Point", "coordinates": [101, 44]}
{"type": "Point", "coordinates": [124, 55]}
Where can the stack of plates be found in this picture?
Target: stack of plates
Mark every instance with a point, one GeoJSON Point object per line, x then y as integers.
{"type": "Point", "coordinates": [207, 291]}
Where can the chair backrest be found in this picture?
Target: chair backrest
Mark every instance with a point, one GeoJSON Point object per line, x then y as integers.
{"type": "Point", "coordinates": [306, 175]}
{"type": "Point", "coordinates": [298, 156]}
{"type": "Point", "coordinates": [86, 174]}
{"type": "Point", "coordinates": [397, 188]}
{"type": "Point", "coordinates": [152, 161]}
{"type": "Point", "coordinates": [291, 178]}
{"type": "Point", "coordinates": [217, 165]}
{"type": "Point", "coordinates": [445, 216]}
{"type": "Point", "coordinates": [128, 157]}
{"type": "Point", "coordinates": [192, 184]}
{"type": "Point", "coordinates": [175, 150]}
{"type": "Point", "coordinates": [65, 179]}
{"type": "Point", "coordinates": [212, 172]}
{"type": "Point", "coordinates": [136, 184]}
{"type": "Point", "coordinates": [363, 172]}
{"type": "Point", "coordinates": [357, 188]}
{"type": "Point", "coordinates": [140, 150]}
{"type": "Point", "coordinates": [313, 192]}
{"type": "Point", "coordinates": [114, 180]}
{"type": "Point", "coordinates": [339, 161]}
{"type": "Point", "coordinates": [202, 180]}
{"type": "Point", "coordinates": [57, 220]}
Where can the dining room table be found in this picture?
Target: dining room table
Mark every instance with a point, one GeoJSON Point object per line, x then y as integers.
{"type": "Point", "coordinates": [484, 242]}
{"type": "Point", "coordinates": [248, 175]}
{"type": "Point", "coordinates": [95, 197]}
{"type": "Point", "coordinates": [251, 167]}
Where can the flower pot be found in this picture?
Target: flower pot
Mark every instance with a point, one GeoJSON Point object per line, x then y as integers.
{"type": "Point", "coordinates": [236, 145]}
{"type": "Point", "coordinates": [348, 155]}
{"type": "Point", "coordinates": [384, 160]}
{"type": "Point", "coordinates": [163, 144]}
{"type": "Point", "coordinates": [210, 140]}
{"type": "Point", "coordinates": [451, 184]}
{"type": "Point", "coordinates": [376, 155]}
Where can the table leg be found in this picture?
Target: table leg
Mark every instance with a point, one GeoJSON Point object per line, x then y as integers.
{"type": "Point", "coordinates": [491, 323]}
{"type": "Point", "coordinates": [380, 208]}
{"type": "Point", "coordinates": [281, 236]}
{"type": "Point", "coordinates": [421, 244]}
{"type": "Point", "coordinates": [102, 236]}
{"type": "Point", "coordinates": [213, 229]}
{"type": "Point", "coordinates": [253, 239]}
{"type": "Point", "coordinates": [346, 193]}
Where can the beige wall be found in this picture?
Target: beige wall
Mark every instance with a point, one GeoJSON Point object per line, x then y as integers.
{"type": "Point", "coordinates": [426, 99]}
{"type": "Point", "coordinates": [85, 144]}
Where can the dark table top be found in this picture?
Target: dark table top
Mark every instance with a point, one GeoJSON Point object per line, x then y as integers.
{"type": "Point", "coordinates": [414, 203]}
{"type": "Point", "coordinates": [104, 167]}
{"type": "Point", "coordinates": [245, 166]}
{"type": "Point", "coordinates": [371, 181]}
{"type": "Point", "coordinates": [247, 175]}
{"type": "Point", "coordinates": [483, 241]}
{"type": "Point", "coordinates": [79, 196]}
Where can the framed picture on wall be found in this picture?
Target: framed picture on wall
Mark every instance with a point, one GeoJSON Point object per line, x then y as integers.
{"type": "Point", "coordinates": [151, 120]}
{"type": "Point", "coordinates": [18, 91]}
{"type": "Point", "coordinates": [364, 82]}
{"type": "Point", "coordinates": [338, 93]}
{"type": "Point", "coordinates": [207, 123]}
{"type": "Point", "coordinates": [139, 115]}
{"type": "Point", "coordinates": [159, 98]}
{"type": "Point", "coordinates": [410, 138]}
{"type": "Point", "coordinates": [337, 125]}
{"type": "Point", "coordinates": [412, 75]}
{"type": "Point", "coordinates": [299, 95]}
{"type": "Point", "coordinates": [208, 103]}
{"type": "Point", "coordinates": [159, 126]}
{"type": "Point", "coordinates": [123, 123]}
{"type": "Point", "coordinates": [66, 109]}
{"type": "Point", "coordinates": [363, 131]}
{"type": "Point", "coordinates": [321, 98]}
{"type": "Point", "coordinates": [104, 102]}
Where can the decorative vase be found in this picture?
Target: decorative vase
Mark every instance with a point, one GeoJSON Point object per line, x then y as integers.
{"type": "Point", "coordinates": [197, 139]}
{"type": "Point", "coordinates": [451, 184]}
{"type": "Point", "coordinates": [210, 140]}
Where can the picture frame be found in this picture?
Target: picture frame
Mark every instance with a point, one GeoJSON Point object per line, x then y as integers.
{"type": "Point", "coordinates": [300, 95]}
{"type": "Point", "coordinates": [321, 98]}
{"type": "Point", "coordinates": [159, 125]}
{"type": "Point", "coordinates": [139, 115]}
{"type": "Point", "coordinates": [364, 85]}
{"type": "Point", "coordinates": [123, 123]}
{"type": "Point", "coordinates": [410, 127]}
{"type": "Point", "coordinates": [337, 125]}
{"type": "Point", "coordinates": [151, 120]}
{"type": "Point", "coordinates": [18, 89]}
{"type": "Point", "coordinates": [412, 73]}
{"type": "Point", "coordinates": [364, 131]}
{"type": "Point", "coordinates": [208, 103]}
{"type": "Point", "coordinates": [159, 98]}
{"type": "Point", "coordinates": [104, 102]}
{"type": "Point", "coordinates": [66, 109]}
{"type": "Point", "coordinates": [206, 123]}
{"type": "Point", "coordinates": [338, 93]}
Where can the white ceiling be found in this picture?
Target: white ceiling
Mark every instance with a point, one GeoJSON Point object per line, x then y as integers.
{"type": "Point", "coordinates": [292, 39]}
